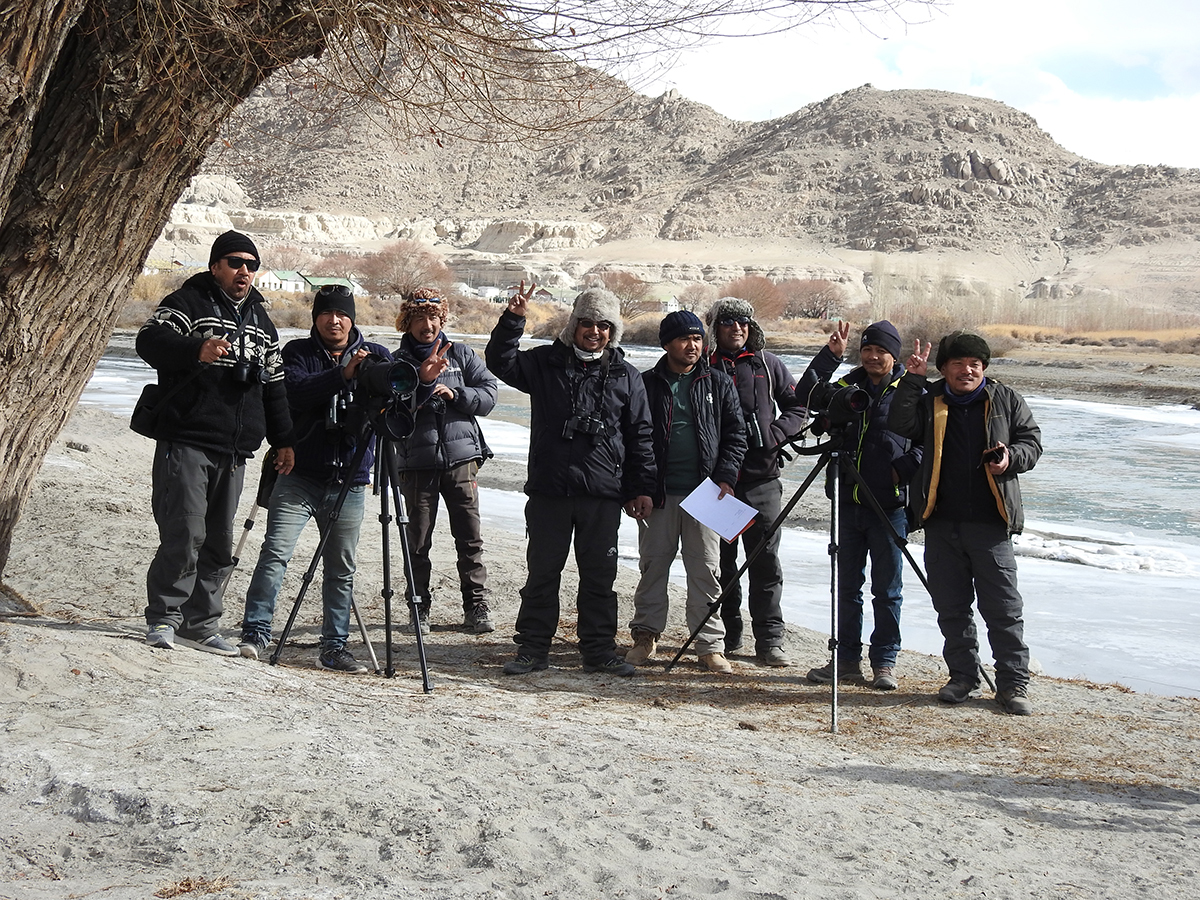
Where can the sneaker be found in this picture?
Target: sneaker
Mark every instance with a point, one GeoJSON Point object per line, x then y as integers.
{"type": "Point", "coordinates": [251, 648]}
{"type": "Point", "coordinates": [479, 619]}
{"type": "Point", "coordinates": [614, 665]}
{"type": "Point", "coordinates": [524, 664]}
{"type": "Point", "coordinates": [715, 662]}
{"type": "Point", "coordinates": [341, 661]}
{"type": "Point", "coordinates": [422, 616]}
{"type": "Point", "coordinates": [959, 691]}
{"type": "Point", "coordinates": [733, 631]}
{"type": "Point", "coordinates": [1015, 701]}
{"type": "Point", "coordinates": [850, 670]}
{"type": "Point", "coordinates": [161, 636]}
{"type": "Point", "coordinates": [214, 643]}
{"type": "Point", "coordinates": [774, 657]}
{"type": "Point", "coordinates": [645, 643]}
{"type": "Point", "coordinates": [884, 678]}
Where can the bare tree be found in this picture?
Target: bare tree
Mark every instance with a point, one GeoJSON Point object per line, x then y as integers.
{"type": "Point", "coordinates": [402, 267]}
{"type": "Point", "coordinates": [761, 292]}
{"type": "Point", "coordinates": [811, 298]}
{"type": "Point", "coordinates": [291, 259]}
{"type": "Point", "coordinates": [696, 298]}
{"type": "Point", "coordinates": [339, 264]}
{"type": "Point", "coordinates": [634, 294]}
{"type": "Point", "coordinates": [112, 105]}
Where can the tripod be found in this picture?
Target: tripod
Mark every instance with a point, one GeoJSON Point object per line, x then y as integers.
{"type": "Point", "coordinates": [385, 479]}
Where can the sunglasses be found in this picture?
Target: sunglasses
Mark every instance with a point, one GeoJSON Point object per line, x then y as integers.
{"type": "Point", "coordinates": [332, 290]}
{"type": "Point", "coordinates": [425, 300]}
{"type": "Point", "coordinates": [727, 321]}
{"type": "Point", "coordinates": [589, 324]}
{"type": "Point", "coordinates": [236, 262]}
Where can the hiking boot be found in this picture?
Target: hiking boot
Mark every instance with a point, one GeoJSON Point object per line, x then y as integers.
{"type": "Point", "coordinates": [644, 645]}
{"type": "Point", "coordinates": [716, 662]}
{"type": "Point", "coordinates": [884, 678]}
{"type": "Point", "coordinates": [479, 619]}
{"type": "Point", "coordinates": [959, 691]}
{"type": "Point", "coordinates": [614, 665]}
{"type": "Point", "coordinates": [341, 661]}
{"type": "Point", "coordinates": [161, 636]}
{"type": "Point", "coordinates": [733, 630]}
{"type": "Point", "coordinates": [421, 616]}
{"type": "Point", "coordinates": [848, 670]}
{"type": "Point", "coordinates": [773, 657]}
{"type": "Point", "coordinates": [1015, 701]}
{"type": "Point", "coordinates": [251, 647]}
{"type": "Point", "coordinates": [524, 664]}
{"type": "Point", "coordinates": [214, 643]}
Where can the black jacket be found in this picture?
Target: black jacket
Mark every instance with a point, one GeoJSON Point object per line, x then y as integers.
{"type": "Point", "coordinates": [447, 433]}
{"type": "Point", "coordinates": [226, 407]}
{"type": "Point", "coordinates": [589, 422]}
{"type": "Point", "coordinates": [716, 418]}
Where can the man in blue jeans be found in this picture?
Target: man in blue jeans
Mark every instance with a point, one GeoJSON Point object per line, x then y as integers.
{"type": "Point", "coordinates": [321, 375]}
{"type": "Point", "coordinates": [887, 462]}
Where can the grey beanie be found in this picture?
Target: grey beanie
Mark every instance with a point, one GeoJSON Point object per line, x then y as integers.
{"type": "Point", "coordinates": [735, 306]}
{"type": "Point", "coordinates": [600, 306]}
{"type": "Point", "coordinates": [963, 345]}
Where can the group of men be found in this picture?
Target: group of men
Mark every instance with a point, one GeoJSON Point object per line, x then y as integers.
{"type": "Point", "coordinates": [604, 439]}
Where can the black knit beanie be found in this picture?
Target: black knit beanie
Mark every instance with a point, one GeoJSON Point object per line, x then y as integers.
{"type": "Point", "coordinates": [677, 324]}
{"type": "Point", "coordinates": [232, 242]}
{"type": "Point", "coordinates": [333, 296]}
{"type": "Point", "coordinates": [963, 345]}
{"type": "Point", "coordinates": [882, 334]}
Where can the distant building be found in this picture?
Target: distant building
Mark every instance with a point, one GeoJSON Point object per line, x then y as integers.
{"type": "Point", "coordinates": [316, 282]}
{"type": "Point", "coordinates": [282, 280]}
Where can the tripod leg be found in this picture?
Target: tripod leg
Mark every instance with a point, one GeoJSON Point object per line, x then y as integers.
{"type": "Point", "coordinates": [362, 627]}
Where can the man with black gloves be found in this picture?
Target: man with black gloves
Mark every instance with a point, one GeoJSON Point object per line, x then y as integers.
{"type": "Point", "coordinates": [887, 462]}
{"type": "Point", "coordinates": [590, 451]}
{"type": "Point", "coordinates": [772, 414]}
{"type": "Point", "coordinates": [442, 457]}
{"type": "Point", "coordinates": [221, 379]}
{"type": "Point", "coordinates": [322, 371]}
{"type": "Point", "coordinates": [698, 434]}
{"type": "Point", "coordinates": [978, 435]}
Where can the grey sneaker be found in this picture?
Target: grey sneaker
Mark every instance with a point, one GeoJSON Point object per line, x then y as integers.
{"type": "Point", "coordinates": [959, 691]}
{"type": "Point", "coordinates": [214, 643]}
{"type": "Point", "coordinates": [773, 657]}
{"type": "Point", "coordinates": [422, 617]}
{"type": "Point", "coordinates": [251, 648]}
{"type": "Point", "coordinates": [161, 636]}
{"type": "Point", "coordinates": [849, 670]}
{"type": "Point", "coordinates": [1015, 701]}
{"type": "Point", "coordinates": [524, 664]}
{"type": "Point", "coordinates": [884, 678]}
{"type": "Point", "coordinates": [479, 619]}
{"type": "Point", "coordinates": [614, 665]}
{"type": "Point", "coordinates": [341, 661]}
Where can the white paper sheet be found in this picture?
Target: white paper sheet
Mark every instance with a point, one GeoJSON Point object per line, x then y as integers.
{"type": "Point", "coordinates": [728, 517]}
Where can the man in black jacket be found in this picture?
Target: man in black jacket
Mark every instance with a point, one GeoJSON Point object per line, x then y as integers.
{"type": "Point", "coordinates": [589, 452]}
{"type": "Point", "coordinates": [887, 463]}
{"type": "Point", "coordinates": [698, 434]}
{"type": "Point", "coordinates": [217, 354]}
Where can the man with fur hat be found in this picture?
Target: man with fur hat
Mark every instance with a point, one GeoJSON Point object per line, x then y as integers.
{"type": "Point", "coordinates": [590, 452]}
{"type": "Point", "coordinates": [887, 462]}
{"type": "Point", "coordinates": [221, 386]}
{"type": "Point", "coordinates": [443, 454]}
{"type": "Point", "coordinates": [698, 434]}
{"type": "Point", "coordinates": [772, 414]}
{"type": "Point", "coordinates": [978, 435]}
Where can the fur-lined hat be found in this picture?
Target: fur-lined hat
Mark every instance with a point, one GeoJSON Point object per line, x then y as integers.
{"type": "Point", "coordinates": [734, 306]}
{"type": "Point", "coordinates": [423, 300]}
{"type": "Point", "coordinates": [598, 305]}
{"type": "Point", "coordinates": [963, 345]}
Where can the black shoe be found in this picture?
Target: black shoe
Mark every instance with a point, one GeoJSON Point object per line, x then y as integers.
{"type": "Point", "coordinates": [959, 691]}
{"type": "Point", "coordinates": [479, 619]}
{"type": "Point", "coordinates": [422, 617]}
{"type": "Point", "coordinates": [733, 630]}
{"type": "Point", "coordinates": [341, 661]}
{"type": "Point", "coordinates": [850, 670]}
{"type": "Point", "coordinates": [1015, 701]}
{"type": "Point", "coordinates": [614, 665]}
{"type": "Point", "coordinates": [524, 664]}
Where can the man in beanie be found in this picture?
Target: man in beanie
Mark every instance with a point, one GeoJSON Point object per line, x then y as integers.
{"type": "Point", "coordinates": [698, 434]}
{"type": "Point", "coordinates": [442, 456]}
{"type": "Point", "coordinates": [220, 378]}
{"type": "Point", "coordinates": [321, 372]}
{"type": "Point", "coordinates": [887, 462]}
{"type": "Point", "coordinates": [978, 435]}
{"type": "Point", "coordinates": [772, 414]}
{"type": "Point", "coordinates": [590, 452]}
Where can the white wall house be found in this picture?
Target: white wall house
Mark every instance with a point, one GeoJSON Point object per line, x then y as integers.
{"type": "Point", "coordinates": [281, 280]}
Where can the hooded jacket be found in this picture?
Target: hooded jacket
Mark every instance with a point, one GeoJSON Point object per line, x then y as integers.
{"type": "Point", "coordinates": [920, 412]}
{"type": "Point", "coordinates": [230, 405]}
{"type": "Point", "coordinates": [590, 432]}
{"type": "Point", "coordinates": [716, 419]}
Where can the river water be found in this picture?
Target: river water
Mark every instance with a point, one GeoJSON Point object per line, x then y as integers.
{"type": "Point", "coordinates": [1108, 562]}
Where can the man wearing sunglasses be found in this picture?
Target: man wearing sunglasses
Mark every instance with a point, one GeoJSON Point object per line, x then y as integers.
{"type": "Point", "coordinates": [590, 452]}
{"type": "Point", "coordinates": [221, 377]}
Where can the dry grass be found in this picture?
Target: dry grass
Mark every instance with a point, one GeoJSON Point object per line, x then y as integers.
{"type": "Point", "coordinates": [197, 884]}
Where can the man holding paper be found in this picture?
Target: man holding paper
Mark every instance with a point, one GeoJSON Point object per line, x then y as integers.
{"type": "Point", "coordinates": [698, 433]}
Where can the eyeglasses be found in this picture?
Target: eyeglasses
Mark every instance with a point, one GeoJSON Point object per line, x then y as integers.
{"type": "Point", "coordinates": [589, 324]}
{"type": "Point", "coordinates": [729, 321]}
{"type": "Point", "coordinates": [236, 262]}
{"type": "Point", "coordinates": [425, 300]}
{"type": "Point", "coordinates": [331, 290]}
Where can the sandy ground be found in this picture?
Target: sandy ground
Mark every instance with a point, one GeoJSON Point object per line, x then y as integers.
{"type": "Point", "coordinates": [129, 773]}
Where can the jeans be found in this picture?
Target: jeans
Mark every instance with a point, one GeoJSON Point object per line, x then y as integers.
{"type": "Point", "coordinates": [294, 501]}
{"type": "Point", "coordinates": [766, 572]}
{"type": "Point", "coordinates": [195, 496]}
{"type": "Point", "coordinates": [860, 532]}
{"type": "Point", "coordinates": [421, 489]}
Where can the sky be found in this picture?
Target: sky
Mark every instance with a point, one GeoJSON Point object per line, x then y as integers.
{"type": "Point", "coordinates": [1112, 80]}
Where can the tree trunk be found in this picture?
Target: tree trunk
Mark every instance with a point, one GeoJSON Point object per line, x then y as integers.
{"type": "Point", "coordinates": [101, 140]}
